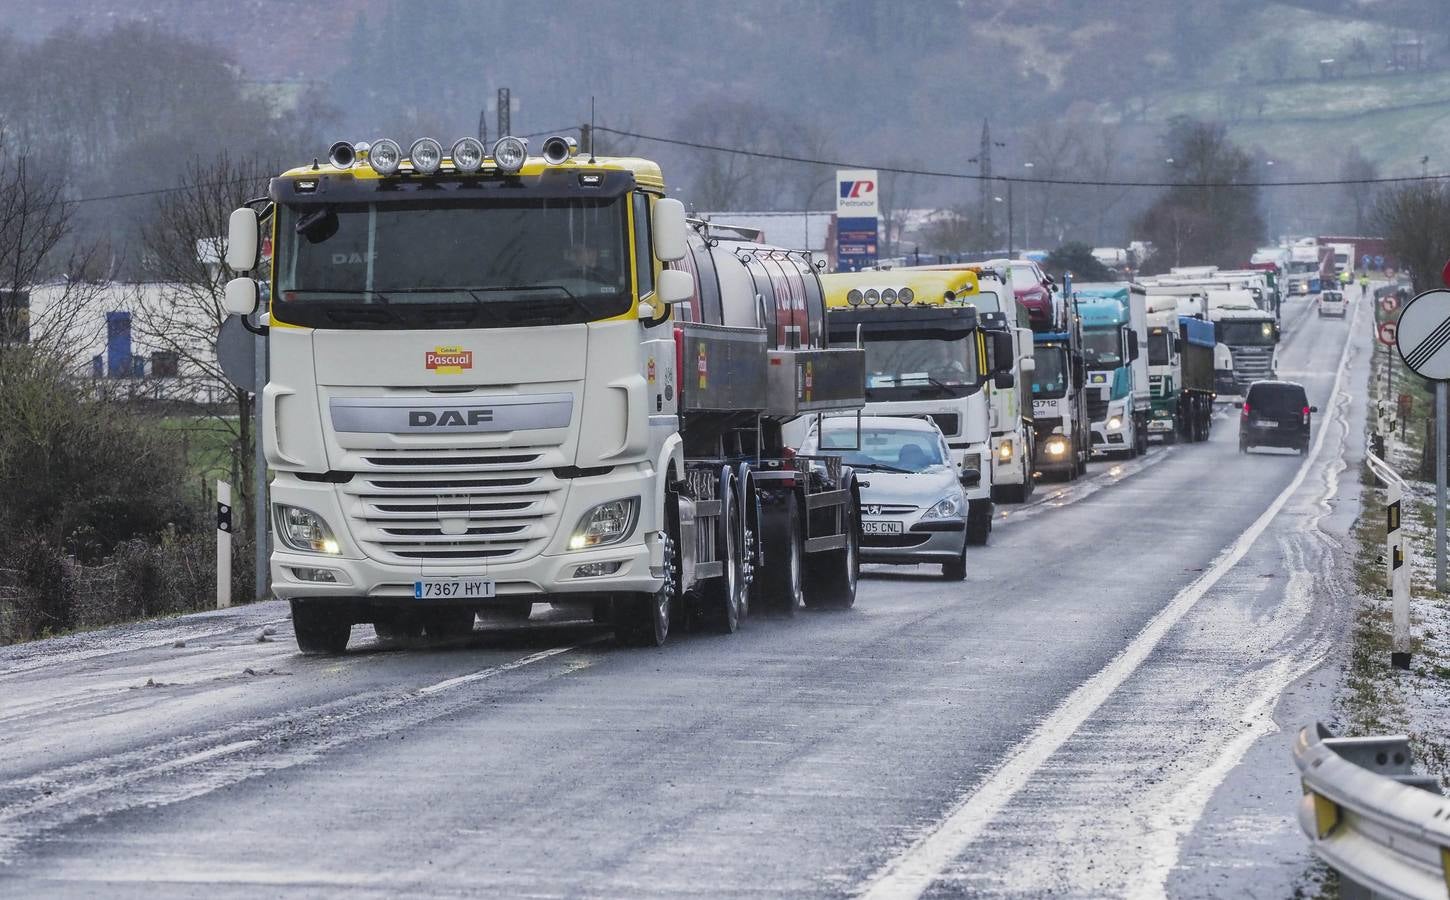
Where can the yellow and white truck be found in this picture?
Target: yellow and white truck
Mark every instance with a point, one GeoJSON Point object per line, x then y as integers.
{"type": "Point", "coordinates": [499, 379]}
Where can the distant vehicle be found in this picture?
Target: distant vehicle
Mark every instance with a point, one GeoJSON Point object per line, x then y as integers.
{"type": "Point", "coordinates": [1333, 303]}
{"type": "Point", "coordinates": [913, 501]}
{"type": "Point", "coordinates": [1059, 391]}
{"type": "Point", "coordinates": [1275, 414]}
{"type": "Point", "coordinates": [1299, 285]}
{"type": "Point", "coordinates": [1180, 372]}
{"type": "Point", "coordinates": [1115, 334]}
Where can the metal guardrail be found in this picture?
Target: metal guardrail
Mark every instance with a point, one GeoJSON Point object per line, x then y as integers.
{"type": "Point", "coordinates": [1385, 829]}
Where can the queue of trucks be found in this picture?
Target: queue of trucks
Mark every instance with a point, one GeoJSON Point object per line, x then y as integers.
{"type": "Point", "coordinates": [610, 420]}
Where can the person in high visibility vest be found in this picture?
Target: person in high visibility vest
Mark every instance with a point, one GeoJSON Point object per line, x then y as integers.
{"type": "Point", "coordinates": [1344, 279]}
{"type": "Point", "coordinates": [1363, 285]}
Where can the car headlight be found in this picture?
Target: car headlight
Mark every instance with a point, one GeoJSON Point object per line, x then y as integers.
{"type": "Point", "coordinates": [303, 529]}
{"type": "Point", "coordinates": [607, 523]}
{"type": "Point", "coordinates": [1004, 451]}
{"type": "Point", "coordinates": [1056, 446]}
{"type": "Point", "coordinates": [1115, 423]}
{"type": "Point", "coordinates": [949, 507]}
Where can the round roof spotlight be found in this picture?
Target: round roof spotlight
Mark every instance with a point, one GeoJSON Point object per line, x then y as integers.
{"type": "Point", "coordinates": [853, 297]}
{"type": "Point", "coordinates": [888, 296]}
{"type": "Point", "coordinates": [467, 155]}
{"type": "Point", "coordinates": [558, 148]}
{"type": "Point", "coordinates": [905, 296]}
{"type": "Point", "coordinates": [872, 297]}
{"type": "Point", "coordinates": [385, 157]}
{"type": "Point", "coordinates": [509, 154]}
{"type": "Point", "coordinates": [426, 155]}
{"type": "Point", "coordinates": [342, 155]}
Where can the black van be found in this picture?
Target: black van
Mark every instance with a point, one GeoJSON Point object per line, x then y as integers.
{"type": "Point", "coordinates": [1275, 414]}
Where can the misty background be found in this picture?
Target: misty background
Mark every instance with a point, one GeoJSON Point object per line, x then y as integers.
{"type": "Point", "coordinates": [113, 99]}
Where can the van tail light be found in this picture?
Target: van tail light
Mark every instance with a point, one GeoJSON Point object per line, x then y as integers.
{"type": "Point", "coordinates": [1245, 413]}
{"type": "Point", "coordinates": [1305, 414]}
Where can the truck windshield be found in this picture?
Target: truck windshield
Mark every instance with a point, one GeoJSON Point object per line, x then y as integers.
{"type": "Point", "coordinates": [1250, 333]}
{"type": "Point", "coordinates": [920, 368]}
{"type": "Point", "coordinates": [1103, 348]}
{"type": "Point", "coordinates": [1159, 349]}
{"type": "Point", "coordinates": [411, 265]}
{"type": "Point", "coordinates": [884, 449]}
{"type": "Point", "coordinates": [1050, 377]}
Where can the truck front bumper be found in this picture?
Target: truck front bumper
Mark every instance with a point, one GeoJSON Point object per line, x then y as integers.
{"type": "Point", "coordinates": [633, 565]}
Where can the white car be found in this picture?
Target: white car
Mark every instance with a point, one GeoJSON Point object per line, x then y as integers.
{"type": "Point", "coordinates": [913, 500]}
{"type": "Point", "coordinates": [1333, 303]}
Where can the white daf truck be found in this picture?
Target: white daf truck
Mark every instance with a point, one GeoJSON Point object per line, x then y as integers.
{"type": "Point", "coordinates": [499, 379]}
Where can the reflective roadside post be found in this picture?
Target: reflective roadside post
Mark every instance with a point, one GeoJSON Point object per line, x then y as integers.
{"type": "Point", "coordinates": [223, 545]}
{"type": "Point", "coordinates": [1423, 342]}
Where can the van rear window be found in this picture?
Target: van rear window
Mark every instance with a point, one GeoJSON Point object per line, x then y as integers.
{"type": "Point", "coordinates": [1277, 399]}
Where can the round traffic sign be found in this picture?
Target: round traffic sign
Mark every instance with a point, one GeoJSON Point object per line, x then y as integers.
{"type": "Point", "coordinates": [1387, 332]}
{"type": "Point", "coordinates": [1390, 302]}
{"type": "Point", "coordinates": [1423, 338]}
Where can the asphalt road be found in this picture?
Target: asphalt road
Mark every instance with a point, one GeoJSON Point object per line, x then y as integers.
{"type": "Point", "coordinates": [1075, 718]}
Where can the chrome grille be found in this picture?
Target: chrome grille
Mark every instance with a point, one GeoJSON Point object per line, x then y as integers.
{"type": "Point", "coordinates": [1252, 364]}
{"type": "Point", "coordinates": [470, 504]}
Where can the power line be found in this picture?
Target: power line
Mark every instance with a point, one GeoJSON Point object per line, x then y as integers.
{"type": "Point", "coordinates": [971, 176]}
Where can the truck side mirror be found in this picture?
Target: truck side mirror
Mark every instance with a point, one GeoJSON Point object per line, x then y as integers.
{"type": "Point", "coordinates": [970, 478]}
{"type": "Point", "coordinates": [241, 296]}
{"type": "Point", "coordinates": [1004, 381]}
{"type": "Point", "coordinates": [242, 240]}
{"type": "Point", "coordinates": [1003, 353]}
{"type": "Point", "coordinates": [674, 286]}
{"type": "Point", "coordinates": [1132, 345]}
{"type": "Point", "coordinates": [669, 229]}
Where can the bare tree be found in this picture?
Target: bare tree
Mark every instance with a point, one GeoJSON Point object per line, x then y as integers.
{"type": "Point", "coordinates": [184, 256]}
{"type": "Point", "coordinates": [1415, 219]}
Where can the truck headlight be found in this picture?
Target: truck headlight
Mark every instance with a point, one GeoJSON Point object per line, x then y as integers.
{"type": "Point", "coordinates": [385, 156]}
{"type": "Point", "coordinates": [949, 507]}
{"type": "Point", "coordinates": [1004, 451]}
{"type": "Point", "coordinates": [1056, 446]}
{"type": "Point", "coordinates": [303, 529]}
{"type": "Point", "coordinates": [607, 523]}
{"type": "Point", "coordinates": [972, 461]}
{"type": "Point", "coordinates": [1115, 423]}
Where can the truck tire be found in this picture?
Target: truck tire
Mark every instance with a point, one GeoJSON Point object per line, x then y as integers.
{"type": "Point", "coordinates": [643, 620]}
{"type": "Point", "coordinates": [721, 598]}
{"type": "Point", "coordinates": [448, 624]}
{"type": "Point", "coordinates": [1170, 437]}
{"type": "Point", "coordinates": [831, 576]}
{"type": "Point", "coordinates": [979, 522]}
{"type": "Point", "coordinates": [778, 586]}
{"type": "Point", "coordinates": [321, 629]}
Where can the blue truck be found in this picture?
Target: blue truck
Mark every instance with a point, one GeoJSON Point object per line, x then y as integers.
{"type": "Point", "coordinates": [1180, 372]}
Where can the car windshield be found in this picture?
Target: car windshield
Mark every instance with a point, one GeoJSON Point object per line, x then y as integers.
{"type": "Point", "coordinates": [1024, 278]}
{"type": "Point", "coordinates": [405, 264]}
{"type": "Point", "coordinates": [1246, 333]}
{"type": "Point", "coordinates": [920, 368]}
{"type": "Point", "coordinates": [1159, 347]}
{"type": "Point", "coordinates": [883, 448]}
{"type": "Point", "coordinates": [1050, 376]}
{"type": "Point", "coordinates": [1277, 399]}
{"type": "Point", "coordinates": [1103, 348]}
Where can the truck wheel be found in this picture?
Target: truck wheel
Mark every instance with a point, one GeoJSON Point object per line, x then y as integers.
{"type": "Point", "coordinates": [1170, 437]}
{"type": "Point", "coordinates": [956, 570]}
{"type": "Point", "coordinates": [979, 522]}
{"type": "Point", "coordinates": [320, 629]}
{"type": "Point", "coordinates": [831, 576]}
{"type": "Point", "coordinates": [778, 585]}
{"type": "Point", "coordinates": [720, 598]}
{"type": "Point", "coordinates": [448, 624]}
{"type": "Point", "coordinates": [643, 620]}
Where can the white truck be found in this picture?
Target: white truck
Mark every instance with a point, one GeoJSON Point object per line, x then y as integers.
{"type": "Point", "coordinates": [499, 379]}
{"type": "Point", "coordinates": [1115, 341]}
{"type": "Point", "coordinates": [1249, 337]}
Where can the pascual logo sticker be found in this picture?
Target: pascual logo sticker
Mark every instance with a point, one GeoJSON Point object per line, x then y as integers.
{"type": "Point", "coordinates": [448, 360]}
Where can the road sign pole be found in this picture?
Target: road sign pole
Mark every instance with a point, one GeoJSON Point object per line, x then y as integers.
{"type": "Point", "coordinates": [1442, 400]}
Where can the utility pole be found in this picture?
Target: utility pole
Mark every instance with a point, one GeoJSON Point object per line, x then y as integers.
{"type": "Point", "coordinates": [1011, 220]}
{"type": "Point", "coordinates": [503, 111]}
{"type": "Point", "coordinates": [984, 169]}
{"type": "Point", "coordinates": [483, 126]}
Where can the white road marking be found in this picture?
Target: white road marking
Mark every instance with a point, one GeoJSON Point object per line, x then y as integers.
{"type": "Point", "coordinates": [491, 671]}
{"type": "Point", "coordinates": [911, 872]}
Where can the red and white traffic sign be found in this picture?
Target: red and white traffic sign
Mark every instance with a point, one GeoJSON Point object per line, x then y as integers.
{"type": "Point", "coordinates": [1390, 302]}
{"type": "Point", "coordinates": [1387, 333]}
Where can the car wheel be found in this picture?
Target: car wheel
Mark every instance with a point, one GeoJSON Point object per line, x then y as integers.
{"type": "Point", "coordinates": [979, 522]}
{"type": "Point", "coordinates": [320, 629]}
{"type": "Point", "coordinates": [956, 569]}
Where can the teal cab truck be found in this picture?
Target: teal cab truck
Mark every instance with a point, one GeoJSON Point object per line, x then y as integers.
{"type": "Point", "coordinates": [1180, 372]}
{"type": "Point", "coordinates": [1115, 330]}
